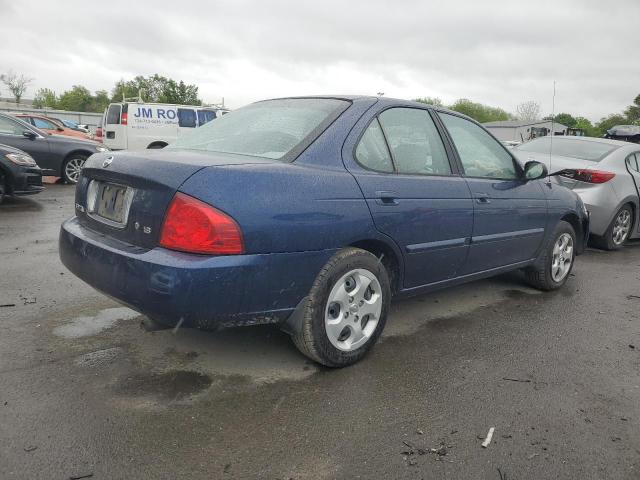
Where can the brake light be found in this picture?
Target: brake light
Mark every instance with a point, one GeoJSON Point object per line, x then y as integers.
{"type": "Point", "coordinates": [196, 227]}
{"type": "Point", "coordinates": [589, 176]}
{"type": "Point", "coordinates": [124, 118]}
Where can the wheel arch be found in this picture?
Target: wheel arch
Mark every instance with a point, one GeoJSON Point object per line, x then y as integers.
{"type": "Point", "coordinates": [390, 257]}
{"type": "Point", "coordinates": [71, 154]}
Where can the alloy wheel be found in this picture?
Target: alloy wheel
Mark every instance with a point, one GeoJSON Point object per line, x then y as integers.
{"type": "Point", "coordinates": [72, 169]}
{"type": "Point", "coordinates": [353, 309]}
{"type": "Point", "coordinates": [621, 227]}
{"type": "Point", "coordinates": [562, 257]}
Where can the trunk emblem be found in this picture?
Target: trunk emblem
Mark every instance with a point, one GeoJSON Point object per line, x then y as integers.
{"type": "Point", "coordinates": [107, 162]}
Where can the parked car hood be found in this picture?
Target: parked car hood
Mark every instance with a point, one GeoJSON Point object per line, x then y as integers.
{"type": "Point", "coordinates": [7, 149]}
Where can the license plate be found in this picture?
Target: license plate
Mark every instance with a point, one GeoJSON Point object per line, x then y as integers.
{"type": "Point", "coordinates": [109, 202]}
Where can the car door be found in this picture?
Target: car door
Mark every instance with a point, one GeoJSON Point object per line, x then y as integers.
{"type": "Point", "coordinates": [633, 166]}
{"type": "Point", "coordinates": [510, 213]}
{"type": "Point", "coordinates": [414, 193]}
{"type": "Point", "coordinates": [12, 134]}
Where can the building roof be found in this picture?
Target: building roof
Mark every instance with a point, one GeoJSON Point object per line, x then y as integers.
{"type": "Point", "coordinates": [519, 123]}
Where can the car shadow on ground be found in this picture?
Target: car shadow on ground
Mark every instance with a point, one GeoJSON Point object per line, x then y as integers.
{"type": "Point", "coordinates": [20, 204]}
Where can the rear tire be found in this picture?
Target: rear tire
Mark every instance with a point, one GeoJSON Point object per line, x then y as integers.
{"type": "Point", "coordinates": [552, 268]}
{"type": "Point", "coordinates": [71, 168]}
{"type": "Point", "coordinates": [618, 232]}
{"type": "Point", "coordinates": [346, 310]}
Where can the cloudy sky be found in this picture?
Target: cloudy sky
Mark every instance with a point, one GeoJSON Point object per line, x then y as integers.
{"type": "Point", "coordinates": [495, 52]}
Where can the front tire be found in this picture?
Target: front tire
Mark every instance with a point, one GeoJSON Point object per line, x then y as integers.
{"type": "Point", "coordinates": [72, 167]}
{"type": "Point", "coordinates": [3, 187]}
{"type": "Point", "coordinates": [618, 232]}
{"type": "Point", "coordinates": [346, 310]}
{"type": "Point", "coordinates": [551, 270]}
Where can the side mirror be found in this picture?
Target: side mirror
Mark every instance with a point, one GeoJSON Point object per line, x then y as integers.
{"type": "Point", "coordinates": [534, 170]}
{"type": "Point", "coordinates": [60, 129]}
{"type": "Point", "coordinates": [29, 134]}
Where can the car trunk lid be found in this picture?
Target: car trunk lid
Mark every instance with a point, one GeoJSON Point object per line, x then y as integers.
{"type": "Point", "coordinates": [125, 195]}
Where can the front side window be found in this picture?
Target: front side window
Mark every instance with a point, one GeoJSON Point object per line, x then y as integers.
{"type": "Point", "coordinates": [8, 127]}
{"type": "Point", "coordinates": [416, 146]}
{"type": "Point", "coordinates": [269, 129]}
{"type": "Point", "coordinates": [186, 118]}
{"type": "Point", "coordinates": [372, 151]}
{"type": "Point", "coordinates": [481, 155]}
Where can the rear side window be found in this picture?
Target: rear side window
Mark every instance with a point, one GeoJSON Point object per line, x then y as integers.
{"type": "Point", "coordinates": [481, 155]}
{"type": "Point", "coordinates": [632, 161]}
{"type": "Point", "coordinates": [205, 116]}
{"type": "Point", "coordinates": [113, 115]}
{"type": "Point", "coordinates": [372, 151]}
{"type": "Point", "coordinates": [186, 118]}
{"type": "Point", "coordinates": [414, 141]}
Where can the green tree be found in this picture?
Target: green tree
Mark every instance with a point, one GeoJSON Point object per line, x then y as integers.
{"type": "Point", "coordinates": [479, 112]}
{"type": "Point", "coordinates": [585, 125]}
{"type": "Point", "coordinates": [565, 119]}
{"type": "Point", "coordinates": [156, 88]}
{"type": "Point", "coordinates": [435, 101]}
{"type": "Point", "coordinates": [632, 112]}
{"type": "Point", "coordinates": [101, 101]}
{"type": "Point", "coordinates": [45, 98]}
{"type": "Point", "coordinates": [78, 99]}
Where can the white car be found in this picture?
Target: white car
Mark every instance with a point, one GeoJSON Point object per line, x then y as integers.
{"type": "Point", "coordinates": [606, 175]}
{"type": "Point", "coordinates": [138, 126]}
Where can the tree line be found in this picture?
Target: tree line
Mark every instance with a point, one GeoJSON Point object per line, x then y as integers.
{"type": "Point", "coordinates": [154, 88]}
{"type": "Point", "coordinates": [530, 111]}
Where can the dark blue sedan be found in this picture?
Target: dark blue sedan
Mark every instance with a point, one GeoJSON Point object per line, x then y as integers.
{"type": "Point", "coordinates": [312, 213]}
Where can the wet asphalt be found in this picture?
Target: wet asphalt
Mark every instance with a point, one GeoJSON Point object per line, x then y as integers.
{"type": "Point", "coordinates": [85, 391]}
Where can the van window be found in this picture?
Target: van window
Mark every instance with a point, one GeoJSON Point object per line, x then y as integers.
{"type": "Point", "coordinates": [113, 115]}
{"type": "Point", "coordinates": [205, 116]}
{"type": "Point", "coordinates": [186, 117]}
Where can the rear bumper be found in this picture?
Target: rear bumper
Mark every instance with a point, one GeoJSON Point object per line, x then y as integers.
{"type": "Point", "coordinates": [206, 292]}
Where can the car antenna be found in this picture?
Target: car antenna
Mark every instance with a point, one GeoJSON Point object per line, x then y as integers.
{"type": "Point", "coordinates": [553, 117]}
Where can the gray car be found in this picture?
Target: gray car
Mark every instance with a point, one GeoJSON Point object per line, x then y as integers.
{"type": "Point", "coordinates": [606, 175]}
{"type": "Point", "coordinates": [56, 154]}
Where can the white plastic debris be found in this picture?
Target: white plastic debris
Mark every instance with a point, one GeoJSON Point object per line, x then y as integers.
{"type": "Point", "coordinates": [487, 440]}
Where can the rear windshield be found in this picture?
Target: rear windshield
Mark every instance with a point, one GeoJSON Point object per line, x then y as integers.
{"type": "Point", "coordinates": [582, 149]}
{"type": "Point", "coordinates": [269, 129]}
{"type": "Point", "coordinates": [113, 115]}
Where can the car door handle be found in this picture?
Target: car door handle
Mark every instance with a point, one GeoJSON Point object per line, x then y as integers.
{"type": "Point", "coordinates": [483, 198]}
{"type": "Point", "coordinates": [386, 198]}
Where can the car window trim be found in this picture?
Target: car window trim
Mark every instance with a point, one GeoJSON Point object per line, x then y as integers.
{"type": "Point", "coordinates": [519, 169]}
{"type": "Point", "coordinates": [452, 165]}
{"type": "Point", "coordinates": [386, 145]}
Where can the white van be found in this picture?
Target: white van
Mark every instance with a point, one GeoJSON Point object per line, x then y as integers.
{"type": "Point", "coordinates": [137, 126]}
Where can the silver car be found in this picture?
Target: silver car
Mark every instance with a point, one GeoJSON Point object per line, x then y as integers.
{"type": "Point", "coordinates": [606, 175]}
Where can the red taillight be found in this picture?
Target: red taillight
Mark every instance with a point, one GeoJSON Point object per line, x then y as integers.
{"type": "Point", "coordinates": [196, 227]}
{"type": "Point", "coordinates": [589, 176]}
{"type": "Point", "coordinates": [124, 118]}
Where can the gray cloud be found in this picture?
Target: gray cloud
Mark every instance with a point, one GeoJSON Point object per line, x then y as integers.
{"type": "Point", "coordinates": [494, 52]}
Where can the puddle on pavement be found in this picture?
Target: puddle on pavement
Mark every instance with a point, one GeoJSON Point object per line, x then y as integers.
{"type": "Point", "coordinates": [87, 326]}
{"type": "Point", "coordinates": [172, 385]}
